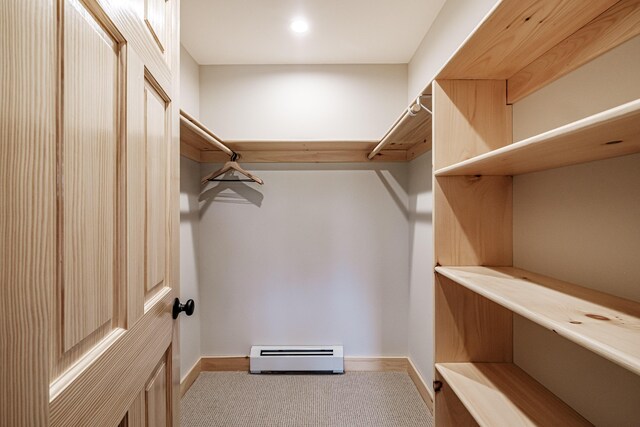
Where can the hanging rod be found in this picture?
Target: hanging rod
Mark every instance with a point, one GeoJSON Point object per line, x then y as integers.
{"type": "Point", "coordinates": [201, 130]}
{"type": "Point", "coordinates": [411, 111]}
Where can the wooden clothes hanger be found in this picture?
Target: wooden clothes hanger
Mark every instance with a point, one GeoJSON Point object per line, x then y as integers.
{"type": "Point", "coordinates": [232, 165]}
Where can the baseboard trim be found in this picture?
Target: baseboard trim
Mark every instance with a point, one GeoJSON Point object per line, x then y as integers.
{"type": "Point", "coordinates": [380, 364]}
{"type": "Point", "coordinates": [423, 389]}
{"type": "Point", "coordinates": [351, 364]}
{"type": "Point", "coordinates": [190, 378]}
{"type": "Point", "coordinates": [233, 363]}
{"type": "Point", "coordinates": [241, 363]}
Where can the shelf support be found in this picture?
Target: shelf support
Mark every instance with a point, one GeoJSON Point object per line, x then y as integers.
{"type": "Point", "coordinates": [198, 128]}
{"type": "Point", "coordinates": [411, 111]}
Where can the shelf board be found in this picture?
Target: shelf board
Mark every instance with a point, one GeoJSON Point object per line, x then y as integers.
{"type": "Point", "coordinates": [589, 139]}
{"type": "Point", "coordinates": [502, 394]}
{"type": "Point", "coordinates": [616, 25]}
{"type": "Point", "coordinates": [515, 33]}
{"type": "Point", "coordinates": [602, 323]}
{"type": "Point", "coordinates": [407, 141]}
{"type": "Point", "coordinates": [411, 132]}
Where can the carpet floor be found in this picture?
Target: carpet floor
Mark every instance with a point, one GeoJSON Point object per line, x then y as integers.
{"type": "Point", "coordinates": [239, 399]}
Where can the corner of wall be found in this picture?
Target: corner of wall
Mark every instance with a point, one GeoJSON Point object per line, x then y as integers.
{"type": "Point", "coordinates": [421, 303]}
{"type": "Point", "coordinates": [455, 21]}
{"type": "Point", "coordinates": [189, 83]}
{"type": "Point", "coordinates": [190, 340]}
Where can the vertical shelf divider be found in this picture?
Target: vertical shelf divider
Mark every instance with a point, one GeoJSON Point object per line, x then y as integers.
{"type": "Point", "coordinates": [472, 226]}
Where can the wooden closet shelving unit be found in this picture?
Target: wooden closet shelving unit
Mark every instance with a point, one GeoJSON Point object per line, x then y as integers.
{"type": "Point", "coordinates": [406, 139]}
{"type": "Point", "coordinates": [520, 47]}
{"type": "Point", "coordinates": [602, 323]}
{"type": "Point", "coordinates": [611, 133]}
{"type": "Point", "coordinates": [494, 393]}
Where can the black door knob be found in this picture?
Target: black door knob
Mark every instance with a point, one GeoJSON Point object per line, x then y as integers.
{"type": "Point", "coordinates": [188, 307]}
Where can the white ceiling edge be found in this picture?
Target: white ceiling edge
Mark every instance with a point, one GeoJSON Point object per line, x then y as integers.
{"type": "Point", "coordinates": [220, 32]}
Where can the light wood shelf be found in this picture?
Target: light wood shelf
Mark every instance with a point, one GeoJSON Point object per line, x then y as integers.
{"type": "Point", "coordinates": [593, 138]}
{"type": "Point", "coordinates": [502, 394]}
{"type": "Point", "coordinates": [602, 323]}
{"type": "Point", "coordinates": [519, 47]}
{"type": "Point", "coordinates": [611, 133]}
{"type": "Point", "coordinates": [515, 33]}
{"type": "Point", "coordinates": [408, 138]}
{"type": "Point", "coordinates": [531, 44]}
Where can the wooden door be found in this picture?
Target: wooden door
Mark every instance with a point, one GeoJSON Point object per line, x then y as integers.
{"type": "Point", "coordinates": [89, 212]}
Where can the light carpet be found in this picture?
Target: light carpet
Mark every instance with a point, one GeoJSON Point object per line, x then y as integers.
{"type": "Point", "coordinates": [354, 399]}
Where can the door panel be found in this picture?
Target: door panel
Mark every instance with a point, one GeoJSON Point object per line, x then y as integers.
{"type": "Point", "coordinates": [87, 164]}
{"type": "Point", "coordinates": [155, 17]}
{"type": "Point", "coordinates": [157, 144]}
{"type": "Point", "coordinates": [136, 152]}
{"type": "Point", "coordinates": [136, 414]}
{"type": "Point", "coordinates": [27, 223]}
{"type": "Point", "coordinates": [156, 393]}
{"type": "Point", "coordinates": [101, 392]}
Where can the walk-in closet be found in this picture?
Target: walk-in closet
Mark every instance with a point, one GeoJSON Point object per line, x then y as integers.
{"type": "Point", "coordinates": [317, 213]}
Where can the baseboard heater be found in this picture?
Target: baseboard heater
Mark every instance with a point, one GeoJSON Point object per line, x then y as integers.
{"type": "Point", "coordinates": [277, 359]}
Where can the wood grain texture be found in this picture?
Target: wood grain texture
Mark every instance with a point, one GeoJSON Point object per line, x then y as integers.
{"type": "Point", "coordinates": [88, 169]}
{"type": "Point", "coordinates": [155, 17]}
{"type": "Point", "coordinates": [473, 219]}
{"type": "Point", "coordinates": [616, 25]}
{"type": "Point", "coordinates": [157, 147]}
{"type": "Point", "coordinates": [418, 150]}
{"type": "Point", "coordinates": [241, 363]}
{"type": "Point", "coordinates": [423, 388]}
{"type": "Point", "coordinates": [601, 323]}
{"type": "Point", "coordinates": [325, 156]}
{"type": "Point", "coordinates": [156, 410]}
{"type": "Point", "coordinates": [28, 208]}
{"type": "Point", "coordinates": [190, 378]}
{"type": "Point", "coordinates": [515, 33]}
{"type": "Point", "coordinates": [189, 152]}
{"type": "Point", "coordinates": [415, 130]}
{"type": "Point", "coordinates": [127, 19]}
{"type": "Point", "coordinates": [199, 143]}
{"type": "Point", "coordinates": [377, 364]}
{"type": "Point", "coordinates": [501, 394]}
{"type": "Point", "coordinates": [578, 142]}
{"type": "Point", "coordinates": [135, 155]}
{"type": "Point", "coordinates": [407, 131]}
{"type": "Point", "coordinates": [200, 137]}
{"type": "Point", "coordinates": [449, 410]}
{"type": "Point", "coordinates": [136, 413]}
{"type": "Point", "coordinates": [470, 328]}
{"type": "Point", "coordinates": [186, 116]}
{"type": "Point", "coordinates": [237, 363]}
{"type": "Point", "coordinates": [48, 130]}
{"type": "Point", "coordinates": [299, 145]}
{"type": "Point", "coordinates": [173, 220]}
{"type": "Point", "coordinates": [121, 370]}
{"type": "Point", "coordinates": [470, 118]}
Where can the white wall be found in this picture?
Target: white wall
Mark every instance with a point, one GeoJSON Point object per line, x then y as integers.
{"type": "Point", "coordinates": [318, 255]}
{"type": "Point", "coordinates": [581, 224]}
{"type": "Point", "coordinates": [456, 20]}
{"type": "Point", "coordinates": [189, 222]}
{"type": "Point", "coordinates": [310, 102]}
{"type": "Point", "coordinates": [189, 259]}
{"type": "Point", "coordinates": [421, 301]}
{"type": "Point", "coordinates": [189, 83]}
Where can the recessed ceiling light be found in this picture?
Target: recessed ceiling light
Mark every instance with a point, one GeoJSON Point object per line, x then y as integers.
{"type": "Point", "coordinates": [299, 26]}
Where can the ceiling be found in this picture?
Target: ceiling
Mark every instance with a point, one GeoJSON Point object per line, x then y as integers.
{"type": "Point", "coordinates": [341, 31]}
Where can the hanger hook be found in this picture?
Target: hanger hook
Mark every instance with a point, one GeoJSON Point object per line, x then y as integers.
{"type": "Point", "coordinates": [420, 105]}
{"type": "Point", "coordinates": [234, 156]}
